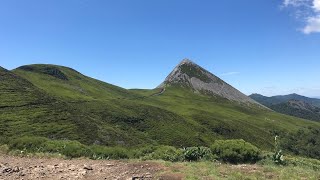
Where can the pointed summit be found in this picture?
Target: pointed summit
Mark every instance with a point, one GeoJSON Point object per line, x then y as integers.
{"type": "Point", "coordinates": [190, 75]}
{"type": "Point", "coordinates": [184, 61]}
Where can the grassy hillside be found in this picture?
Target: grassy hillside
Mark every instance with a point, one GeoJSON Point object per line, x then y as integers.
{"type": "Point", "coordinates": [66, 83]}
{"type": "Point", "coordinates": [93, 112]}
{"type": "Point", "coordinates": [219, 118]}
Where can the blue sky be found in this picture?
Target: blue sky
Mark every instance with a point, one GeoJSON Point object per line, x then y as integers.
{"type": "Point", "coordinates": [264, 46]}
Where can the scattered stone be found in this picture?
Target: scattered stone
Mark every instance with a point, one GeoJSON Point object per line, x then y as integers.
{"type": "Point", "coordinates": [7, 170]}
{"type": "Point", "coordinates": [22, 174]}
{"type": "Point", "coordinates": [72, 168]}
{"type": "Point", "coordinates": [16, 169]}
{"type": "Point", "coordinates": [87, 167]}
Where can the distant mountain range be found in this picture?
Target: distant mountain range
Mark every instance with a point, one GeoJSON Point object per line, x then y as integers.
{"type": "Point", "coordinates": [192, 107]}
{"type": "Point", "coordinates": [292, 104]}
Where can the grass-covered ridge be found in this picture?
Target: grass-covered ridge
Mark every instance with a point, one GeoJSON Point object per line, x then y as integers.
{"type": "Point", "coordinates": [66, 83]}
{"type": "Point", "coordinates": [96, 113]}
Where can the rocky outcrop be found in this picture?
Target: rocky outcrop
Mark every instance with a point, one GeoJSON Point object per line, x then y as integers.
{"type": "Point", "coordinates": [190, 75]}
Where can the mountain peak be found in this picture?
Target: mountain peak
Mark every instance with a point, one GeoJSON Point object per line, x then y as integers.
{"type": "Point", "coordinates": [2, 69]}
{"type": "Point", "coordinates": [186, 61]}
{"type": "Point", "coordinates": [190, 75]}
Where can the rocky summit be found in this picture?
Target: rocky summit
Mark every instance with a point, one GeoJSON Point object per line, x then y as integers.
{"type": "Point", "coordinates": [188, 74]}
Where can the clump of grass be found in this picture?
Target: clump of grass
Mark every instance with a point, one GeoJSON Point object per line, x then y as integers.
{"type": "Point", "coordinates": [4, 149]}
{"type": "Point", "coordinates": [103, 152]}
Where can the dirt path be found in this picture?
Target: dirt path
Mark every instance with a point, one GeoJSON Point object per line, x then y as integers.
{"type": "Point", "coordinates": [159, 93]}
{"type": "Point", "coordinates": [33, 168]}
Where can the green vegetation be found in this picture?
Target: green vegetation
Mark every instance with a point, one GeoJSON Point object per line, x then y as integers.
{"type": "Point", "coordinates": [198, 153]}
{"type": "Point", "coordinates": [39, 102]}
{"type": "Point", "coordinates": [293, 105]}
{"type": "Point", "coordinates": [239, 153]}
{"type": "Point", "coordinates": [310, 112]}
{"type": "Point", "coordinates": [166, 153]}
{"type": "Point", "coordinates": [303, 142]}
{"type": "Point", "coordinates": [236, 151]}
{"type": "Point", "coordinates": [278, 157]}
{"type": "Point", "coordinates": [295, 168]}
{"type": "Point", "coordinates": [209, 170]}
{"type": "Point", "coordinates": [269, 101]}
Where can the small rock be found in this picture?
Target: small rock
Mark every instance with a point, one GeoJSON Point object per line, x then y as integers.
{"type": "Point", "coordinates": [82, 172]}
{"type": "Point", "coordinates": [136, 178]}
{"type": "Point", "coordinates": [7, 170]}
{"type": "Point", "coordinates": [87, 167]}
{"type": "Point", "coordinates": [50, 167]}
{"type": "Point", "coordinates": [109, 165]}
{"type": "Point", "coordinates": [16, 169]}
{"type": "Point", "coordinates": [72, 168]}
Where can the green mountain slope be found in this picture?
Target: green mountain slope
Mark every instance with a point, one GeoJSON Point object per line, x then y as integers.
{"type": "Point", "coordinates": [268, 101]}
{"type": "Point", "coordinates": [66, 83]}
{"type": "Point", "coordinates": [27, 110]}
{"type": "Point", "coordinates": [293, 105]}
{"type": "Point", "coordinates": [93, 112]}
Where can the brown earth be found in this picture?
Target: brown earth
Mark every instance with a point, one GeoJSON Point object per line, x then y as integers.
{"type": "Point", "coordinates": [22, 168]}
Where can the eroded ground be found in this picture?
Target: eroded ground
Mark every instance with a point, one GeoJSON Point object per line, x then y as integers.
{"type": "Point", "coordinates": [35, 168]}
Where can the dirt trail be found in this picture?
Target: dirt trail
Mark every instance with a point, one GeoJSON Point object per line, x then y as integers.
{"type": "Point", "coordinates": [35, 168]}
{"type": "Point", "coordinates": [159, 93]}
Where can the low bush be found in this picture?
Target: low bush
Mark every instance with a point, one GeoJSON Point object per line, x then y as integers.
{"type": "Point", "coordinates": [233, 151]}
{"type": "Point", "coordinates": [198, 153]}
{"type": "Point", "coordinates": [236, 151]}
{"type": "Point", "coordinates": [142, 151]}
{"type": "Point", "coordinates": [71, 149]}
{"type": "Point", "coordinates": [167, 153]}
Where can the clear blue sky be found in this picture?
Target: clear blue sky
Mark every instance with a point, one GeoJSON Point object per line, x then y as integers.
{"type": "Point", "coordinates": [255, 45]}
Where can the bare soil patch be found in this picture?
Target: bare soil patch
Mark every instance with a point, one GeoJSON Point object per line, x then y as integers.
{"type": "Point", "coordinates": [35, 168]}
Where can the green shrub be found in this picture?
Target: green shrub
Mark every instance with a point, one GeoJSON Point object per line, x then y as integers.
{"type": "Point", "coordinates": [198, 153]}
{"type": "Point", "coordinates": [167, 153]}
{"type": "Point", "coordinates": [103, 152]}
{"type": "Point", "coordinates": [73, 149]}
{"type": "Point", "coordinates": [30, 144]}
{"type": "Point", "coordinates": [235, 151]}
{"type": "Point", "coordinates": [70, 149]}
{"type": "Point", "coordinates": [143, 151]}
